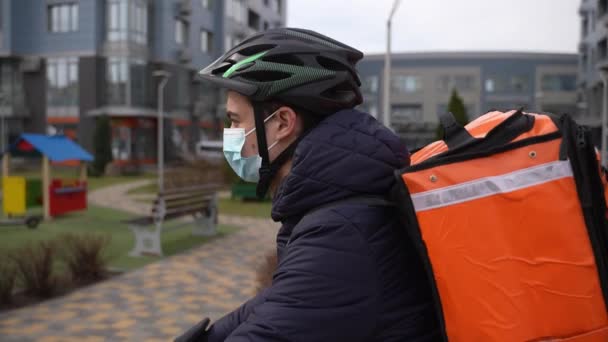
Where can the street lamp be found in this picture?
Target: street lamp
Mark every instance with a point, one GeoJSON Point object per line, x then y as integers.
{"type": "Point", "coordinates": [604, 133]}
{"type": "Point", "coordinates": [387, 68]}
{"type": "Point", "coordinates": [2, 122]}
{"type": "Point", "coordinates": [164, 76]}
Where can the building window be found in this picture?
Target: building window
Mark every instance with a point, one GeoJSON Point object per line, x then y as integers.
{"type": "Point", "coordinates": [184, 87]}
{"type": "Point", "coordinates": [62, 82]}
{"type": "Point", "coordinates": [237, 10]}
{"type": "Point", "coordinates": [403, 114]}
{"type": "Point", "coordinates": [63, 18]}
{"type": "Point", "coordinates": [207, 4]}
{"type": "Point", "coordinates": [602, 49]}
{"type": "Point", "coordinates": [181, 32]}
{"type": "Point", "coordinates": [11, 87]}
{"type": "Point", "coordinates": [254, 20]}
{"type": "Point", "coordinates": [206, 41]}
{"type": "Point", "coordinates": [126, 81]}
{"type": "Point", "coordinates": [563, 82]}
{"type": "Point", "coordinates": [137, 82]}
{"type": "Point", "coordinates": [139, 22]}
{"type": "Point", "coordinates": [585, 25]}
{"type": "Point", "coordinates": [490, 86]}
{"type": "Point", "coordinates": [370, 85]}
{"type": "Point", "coordinates": [118, 79]}
{"type": "Point", "coordinates": [462, 83]}
{"type": "Point", "coordinates": [276, 5]}
{"type": "Point", "coordinates": [507, 84]}
{"type": "Point", "coordinates": [230, 41]}
{"type": "Point", "coordinates": [127, 20]}
{"type": "Point", "coordinates": [406, 84]}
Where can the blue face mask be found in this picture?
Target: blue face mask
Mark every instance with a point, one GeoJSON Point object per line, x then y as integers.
{"type": "Point", "coordinates": [245, 167]}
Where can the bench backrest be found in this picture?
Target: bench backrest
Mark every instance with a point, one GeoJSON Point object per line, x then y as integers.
{"type": "Point", "coordinates": [183, 201]}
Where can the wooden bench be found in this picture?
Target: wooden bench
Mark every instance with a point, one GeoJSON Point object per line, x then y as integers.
{"type": "Point", "coordinates": [200, 202]}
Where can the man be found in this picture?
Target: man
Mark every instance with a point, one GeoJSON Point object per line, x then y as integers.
{"type": "Point", "coordinates": [346, 269]}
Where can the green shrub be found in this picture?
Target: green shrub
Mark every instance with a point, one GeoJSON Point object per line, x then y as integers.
{"type": "Point", "coordinates": [34, 263]}
{"type": "Point", "coordinates": [8, 275]}
{"type": "Point", "coordinates": [102, 139]}
{"type": "Point", "coordinates": [83, 254]}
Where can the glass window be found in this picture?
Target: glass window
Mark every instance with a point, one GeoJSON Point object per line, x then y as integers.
{"type": "Point", "coordinates": [228, 41]}
{"type": "Point", "coordinates": [406, 84]}
{"type": "Point", "coordinates": [370, 84]}
{"type": "Point", "coordinates": [403, 114]}
{"type": "Point", "coordinates": [11, 86]}
{"type": "Point", "coordinates": [127, 20]}
{"type": "Point", "coordinates": [206, 41]}
{"type": "Point", "coordinates": [137, 78]}
{"type": "Point", "coordinates": [507, 84]}
{"type": "Point", "coordinates": [207, 4]}
{"type": "Point", "coordinates": [558, 82]}
{"type": "Point", "coordinates": [117, 77]}
{"type": "Point", "coordinates": [74, 17]}
{"type": "Point", "coordinates": [237, 10]}
{"type": "Point", "coordinates": [181, 32]}
{"type": "Point", "coordinates": [276, 5]}
{"type": "Point", "coordinates": [462, 83]}
{"type": "Point", "coordinates": [490, 85]}
{"type": "Point", "coordinates": [126, 82]}
{"type": "Point", "coordinates": [62, 82]}
{"type": "Point", "coordinates": [63, 17]}
{"type": "Point", "coordinates": [183, 89]}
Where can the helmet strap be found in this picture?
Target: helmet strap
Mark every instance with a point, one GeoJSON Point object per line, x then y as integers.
{"type": "Point", "coordinates": [269, 170]}
{"type": "Point", "coordinates": [260, 128]}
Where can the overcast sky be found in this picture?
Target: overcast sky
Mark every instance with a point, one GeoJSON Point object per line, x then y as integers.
{"type": "Point", "coordinates": [444, 25]}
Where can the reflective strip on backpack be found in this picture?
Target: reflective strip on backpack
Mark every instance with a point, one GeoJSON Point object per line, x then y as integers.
{"type": "Point", "coordinates": [489, 186]}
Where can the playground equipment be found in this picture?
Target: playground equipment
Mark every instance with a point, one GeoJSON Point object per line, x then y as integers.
{"type": "Point", "coordinates": [58, 196]}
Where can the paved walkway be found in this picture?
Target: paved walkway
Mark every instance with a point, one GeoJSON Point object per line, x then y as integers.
{"type": "Point", "coordinates": [158, 301]}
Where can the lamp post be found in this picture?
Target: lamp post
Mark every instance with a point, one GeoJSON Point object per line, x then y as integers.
{"type": "Point", "coordinates": [604, 133]}
{"type": "Point", "coordinates": [387, 68]}
{"type": "Point", "coordinates": [164, 77]}
{"type": "Point", "coordinates": [2, 122]}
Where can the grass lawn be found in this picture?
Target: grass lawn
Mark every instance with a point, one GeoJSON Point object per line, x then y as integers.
{"type": "Point", "coordinates": [105, 221]}
{"type": "Point", "coordinates": [237, 207]}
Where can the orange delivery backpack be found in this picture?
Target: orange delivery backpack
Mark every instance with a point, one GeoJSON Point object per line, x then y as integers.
{"type": "Point", "coordinates": [509, 216]}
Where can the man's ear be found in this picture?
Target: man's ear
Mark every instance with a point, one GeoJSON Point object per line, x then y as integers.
{"type": "Point", "coordinates": [287, 119]}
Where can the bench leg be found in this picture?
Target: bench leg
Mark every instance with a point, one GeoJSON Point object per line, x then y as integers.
{"type": "Point", "coordinates": [205, 223]}
{"type": "Point", "coordinates": [147, 241]}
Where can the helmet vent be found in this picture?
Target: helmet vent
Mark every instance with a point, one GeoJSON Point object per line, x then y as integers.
{"type": "Point", "coordinates": [331, 64]}
{"type": "Point", "coordinates": [252, 50]}
{"type": "Point", "coordinates": [265, 76]}
{"type": "Point", "coordinates": [284, 59]}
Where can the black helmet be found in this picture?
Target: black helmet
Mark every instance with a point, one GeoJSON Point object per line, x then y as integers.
{"type": "Point", "coordinates": [297, 67]}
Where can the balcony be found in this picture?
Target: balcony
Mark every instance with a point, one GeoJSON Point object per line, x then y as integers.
{"type": "Point", "coordinates": [602, 11]}
{"type": "Point", "coordinates": [183, 7]}
{"type": "Point", "coordinates": [602, 63]}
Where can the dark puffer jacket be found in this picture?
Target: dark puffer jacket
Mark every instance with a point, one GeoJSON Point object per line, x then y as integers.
{"type": "Point", "coordinates": [346, 272]}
